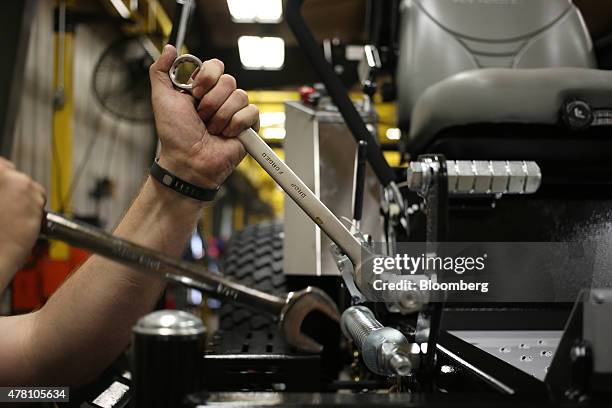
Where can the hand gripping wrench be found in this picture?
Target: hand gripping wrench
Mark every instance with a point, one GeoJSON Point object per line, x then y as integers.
{"type": "Point", "coordinates": [284, 176]}
{"type": "Point", "coordinates": [349, 245]}
{"type": "Point", "coordinates": [290, 310]}
{"type": "Point", "coordinates": [351, 248]}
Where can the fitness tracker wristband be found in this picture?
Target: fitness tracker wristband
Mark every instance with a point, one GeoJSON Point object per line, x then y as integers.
{"type": "Point", "coordinates": [181, 186]}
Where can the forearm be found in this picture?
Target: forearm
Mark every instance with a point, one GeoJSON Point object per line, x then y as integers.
{"type": "Point", "coordinates": [8, 268]}
{"type": "Point", "coordinates": [88, 321]}
{"type": "Point", "coordinates": [11, 260]}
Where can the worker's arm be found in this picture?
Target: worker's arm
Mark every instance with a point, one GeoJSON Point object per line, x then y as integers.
{"type": "Point", "coordinates": [21, 206]}
{"type": "Point", "coordinates": [88, 321]}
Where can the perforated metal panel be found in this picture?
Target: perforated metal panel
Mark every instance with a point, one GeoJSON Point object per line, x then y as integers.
{"type": "Point", "coordinates": [529, 351]}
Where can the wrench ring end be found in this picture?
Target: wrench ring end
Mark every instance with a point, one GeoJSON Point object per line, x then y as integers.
{"type": "Point", "coordinates": [181, 59]}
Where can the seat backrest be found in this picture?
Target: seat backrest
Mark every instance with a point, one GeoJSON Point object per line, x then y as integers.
{"type": "Point", "coordinates": [440, 38]}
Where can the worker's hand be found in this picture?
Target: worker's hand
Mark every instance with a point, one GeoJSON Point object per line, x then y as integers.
{"type": "Point", "coordinates": [198, 133]}
{"type": "Point", "coordinates": [21, 208]}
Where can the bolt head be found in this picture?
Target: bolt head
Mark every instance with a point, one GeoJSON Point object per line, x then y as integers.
{"type": "Point", "coordinates": [577, 114]}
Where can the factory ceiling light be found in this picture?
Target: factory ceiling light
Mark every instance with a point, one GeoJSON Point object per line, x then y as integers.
{"type": "Point", "coordinates": [256, 11]}
{"type": "Point", "coordinates": [267, 53]}
{"type": "Point", "coordinates": [394, 134]}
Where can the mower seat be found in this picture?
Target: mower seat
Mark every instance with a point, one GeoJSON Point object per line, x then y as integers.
{"type": "Point", "coordinates": [513, 80]}
{"type": "Point", "coordinates": [488, 80]}
{"type": "Point", "coordinates": [549, 101]}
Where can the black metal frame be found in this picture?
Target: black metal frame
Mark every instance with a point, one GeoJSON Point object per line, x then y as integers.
{"type": "Point", "coordinates": [436, 209]}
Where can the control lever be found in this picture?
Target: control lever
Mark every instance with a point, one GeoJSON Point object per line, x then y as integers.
{"type": "Point", "coordinates": [373, 65]}
{"type": "Point", "coordinates": [361, 157]}
{"type": "Point", "coordinates": [290, 309]}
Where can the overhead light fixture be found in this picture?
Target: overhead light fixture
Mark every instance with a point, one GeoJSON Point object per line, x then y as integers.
{"type": "Point", "coordinates": [267, 53]}
{"type": "Point", "coordinates": [256, 11]}
{"type": "Point", "coordinates": [121, 8]}
{"type": "Point", "coordinates": [394, 134]}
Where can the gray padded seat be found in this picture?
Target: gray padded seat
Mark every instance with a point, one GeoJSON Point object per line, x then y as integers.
{"type": "Point", "coordinates": [483, 63]}
{"type": "Point", "coordinates": [441, 38]}
{"type": "Point", "coordinates": [501, 96]}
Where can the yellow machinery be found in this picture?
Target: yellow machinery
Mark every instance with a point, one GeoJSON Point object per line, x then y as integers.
{"type": "Point", "coordinates": [61, 165]}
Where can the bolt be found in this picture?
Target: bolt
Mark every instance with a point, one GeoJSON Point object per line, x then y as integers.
{"type": "Point", "coordinates": [384, 350]}
{"type": "Point", "coordinates": [400, 364]}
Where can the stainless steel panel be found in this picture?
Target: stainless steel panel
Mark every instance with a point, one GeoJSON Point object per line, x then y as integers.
{"type": "Point", "coordinates": [321, 150]}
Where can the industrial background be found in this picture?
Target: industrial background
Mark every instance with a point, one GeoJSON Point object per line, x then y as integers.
{"type": "Point", "coordinates": [75, 115]}
{"type": "Point", "coordinates": [84, 129]}
{"type": "Point", "coordinates": [81, 118]}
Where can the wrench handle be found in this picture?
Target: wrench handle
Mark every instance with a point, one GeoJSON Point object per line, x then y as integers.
{"type": "Point", "coordinates": [155, 263]}
{"type": "Point", "coordinates": [301, 194]}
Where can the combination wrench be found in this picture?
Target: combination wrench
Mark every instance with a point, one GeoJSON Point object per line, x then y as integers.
{"type": "Point", "coordinates": [349, 245]}
{"type": "Point", "coordinates": [290, 309]}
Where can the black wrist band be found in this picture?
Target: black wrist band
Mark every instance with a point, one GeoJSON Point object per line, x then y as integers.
{"type": "Point", "coordinates": [181, 186]}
